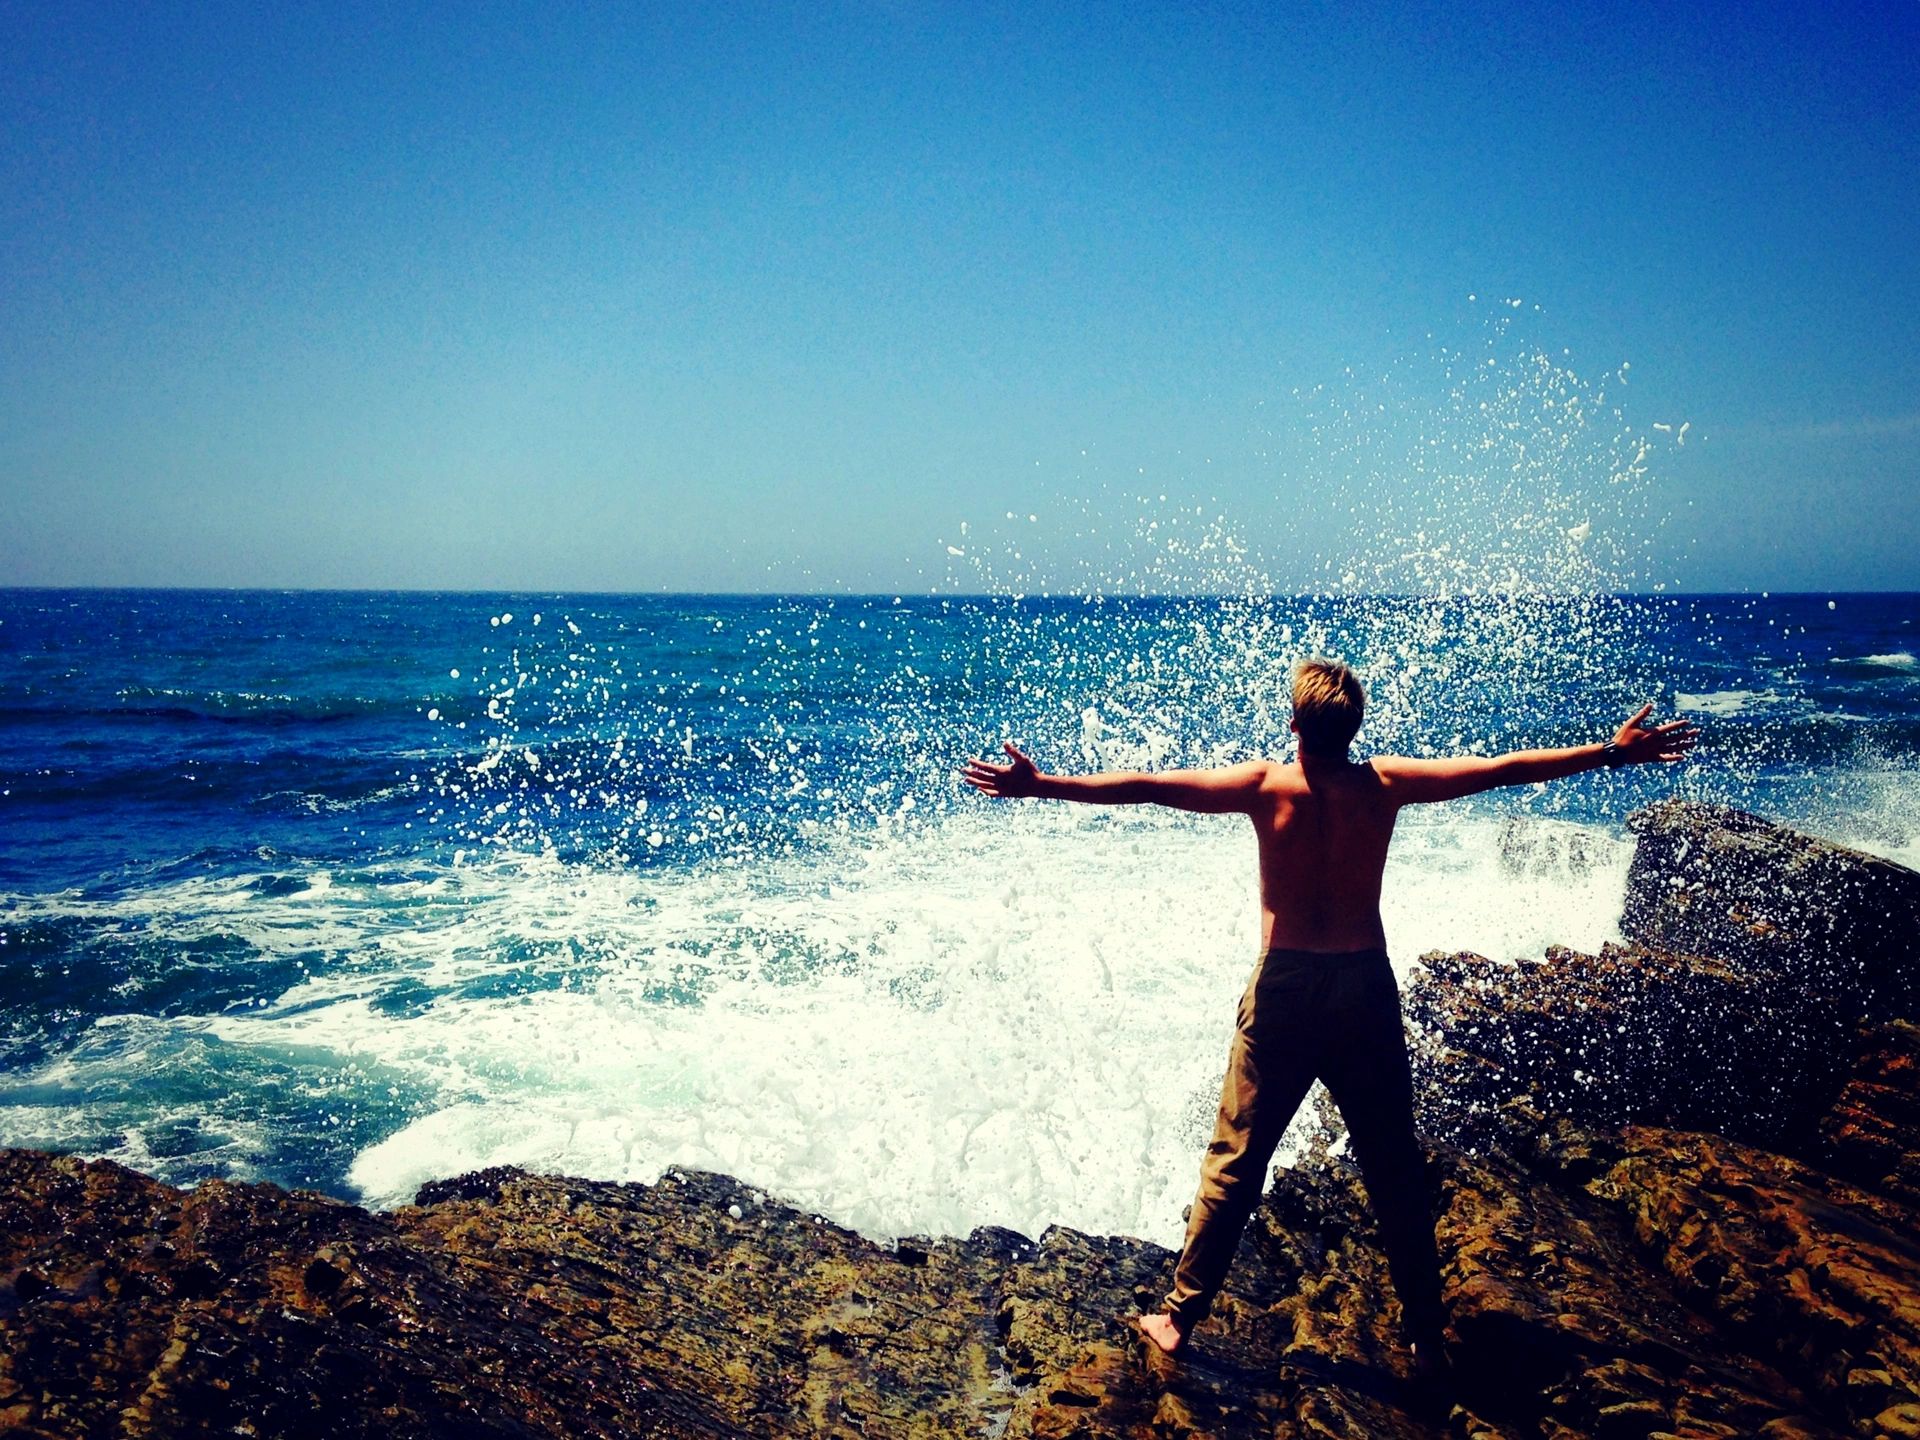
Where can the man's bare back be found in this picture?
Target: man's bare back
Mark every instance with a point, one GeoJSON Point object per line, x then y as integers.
{"type": "Point", "coordinates": [1323, 827]}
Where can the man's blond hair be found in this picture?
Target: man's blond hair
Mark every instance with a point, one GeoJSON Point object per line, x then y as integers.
{"type": "Point", "coordinates": [1328, 704]}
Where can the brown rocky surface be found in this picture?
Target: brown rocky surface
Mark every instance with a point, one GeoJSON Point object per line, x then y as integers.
{"type": "Point", "coordinates": [1871, 1132]}
{"type": "Point", "coordinates": [1678, 1197]}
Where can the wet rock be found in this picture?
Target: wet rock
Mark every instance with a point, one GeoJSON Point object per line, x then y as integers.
{"type": "Point", "coordinates": [199, 1318]}
{"type": "Point", "coordinates": [1817, 1274]}
{"type": "Point", "coordinates": [1555, 1309]}
{"type": "Point", "coordinates": [771, 1319]}
{"type": "Point", "coordinates": [1839, 926]}
{"type": "Point", "coordinates": [1627, 1034]}
{"type": "Point", "coordinates": [1871, 1132]}
{"type": "Point", "coordinates": [1756, 957]}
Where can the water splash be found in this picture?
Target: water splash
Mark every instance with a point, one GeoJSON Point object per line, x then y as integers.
{"type": "Point", "coordinates": [1495, 510]}
{"type": "Point", "coordinates": [802, 953]}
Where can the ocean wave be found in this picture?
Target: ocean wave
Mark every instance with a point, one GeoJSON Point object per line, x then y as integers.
{"type": "Point", "coordinates": [116, 778]}
{"type": "Point", "coordinates": [220, 707]}
{"type": "Point", "coordinates": [740, 915]}
{"type": "Point", "coordinates": [241, 706]}
{"type": "Point", "coordinates": [1013, 1016]}
{"type": "Point", "coordinates": [1894, 660]}
{"type": "Point", "coordinates": [914, 1044]}
{"type": "Point", "coordinates": [1726, 703]}
{"type": "Point", "coordinates": [313, 802]}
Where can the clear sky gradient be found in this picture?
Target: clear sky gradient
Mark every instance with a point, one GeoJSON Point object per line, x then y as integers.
{"type": "Point", "coordinates": [747, 297]}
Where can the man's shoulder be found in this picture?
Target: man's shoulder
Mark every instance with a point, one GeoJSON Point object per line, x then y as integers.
{"type": "Point", "coordinates": [1388, 766]}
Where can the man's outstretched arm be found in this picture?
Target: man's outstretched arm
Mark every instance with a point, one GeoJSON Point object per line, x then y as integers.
{"type": "Point", "coordinates": [1230, 790]}
{"type": "Point", "coordinates": [1414, 782]}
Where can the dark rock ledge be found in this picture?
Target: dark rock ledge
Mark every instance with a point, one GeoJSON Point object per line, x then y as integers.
{"type": "Point", "coordinates": [1680, 1188]}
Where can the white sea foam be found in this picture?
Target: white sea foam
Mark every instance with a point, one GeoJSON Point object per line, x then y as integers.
{"type": "Point", "coordinates": [1015, 1016]}
{"type": "Point", "coordinates": [1727, 702]}
{"type": "Point", "coordinates": [1032, 1044]}
{"type": "Point", "coordinates": [1897, 660]}
{"type": "Point", "coordinates": [130, 1082]}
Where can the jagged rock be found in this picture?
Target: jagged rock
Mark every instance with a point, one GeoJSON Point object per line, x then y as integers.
{"type": "Point", "coordinates": [1839, 926]}
{"type": "Point", "coordinates": [1820, 1275]}
{"type": "Point", "coordinates": [1757, 955]}
{"type": "Point", "coordinates": [1306, 1327]}
{"type": "Point", "coordinates": [1678, 1186]}
{"type": "Point", "coordinates": [1871, 1133]}
{"type": "Point", "coordinates": [1627, 1034]}
{"type": "Point", "coordinates": [1551, 1300]}
{"type": "Point", "coordinates": [248, 1309]}
{"type": "Point", "coordinates": [772, 1314]}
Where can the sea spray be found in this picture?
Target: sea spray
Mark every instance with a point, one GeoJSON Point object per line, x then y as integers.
{"type": "Point", "coordinates": [846, 980]}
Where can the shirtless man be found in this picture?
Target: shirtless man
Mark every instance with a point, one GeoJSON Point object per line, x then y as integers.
{"type": "Point", "coordinates": [1322, 1003]}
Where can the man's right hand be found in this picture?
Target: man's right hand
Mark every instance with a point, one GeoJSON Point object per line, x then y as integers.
{"type": "Point", "coordinates": [1640, 744]}
{"type": "Point", "coordinates": [1010, 782]}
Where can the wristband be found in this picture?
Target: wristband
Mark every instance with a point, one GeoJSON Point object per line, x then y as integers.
{"type": "Point", "coordinates": [1612, 756]}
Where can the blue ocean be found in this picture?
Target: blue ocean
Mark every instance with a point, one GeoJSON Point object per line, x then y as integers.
{"type": "Point", "coordinates": [352, 890]}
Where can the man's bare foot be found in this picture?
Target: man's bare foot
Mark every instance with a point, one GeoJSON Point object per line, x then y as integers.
{"type": "Point", "coordinates": [1162, 1331]}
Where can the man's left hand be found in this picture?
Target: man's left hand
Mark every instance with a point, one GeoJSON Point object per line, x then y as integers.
{"type": "Point", "coordinates": [1009, 782]}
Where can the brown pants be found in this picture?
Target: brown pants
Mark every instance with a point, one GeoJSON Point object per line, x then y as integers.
{"type": "Point", "coordinates": [1307, 1016]}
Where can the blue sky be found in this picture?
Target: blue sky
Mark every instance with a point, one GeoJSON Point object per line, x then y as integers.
{"type": "Point", "coordinates": [774, 297]}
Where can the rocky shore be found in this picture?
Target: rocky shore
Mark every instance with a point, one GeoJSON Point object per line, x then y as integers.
{"type": "Point", "coordinates": [1678, 1185]}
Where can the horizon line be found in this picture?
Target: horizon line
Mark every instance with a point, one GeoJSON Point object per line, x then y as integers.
{"type": "Point", "coordinates": [902, 595]}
